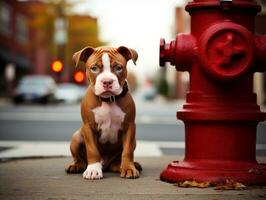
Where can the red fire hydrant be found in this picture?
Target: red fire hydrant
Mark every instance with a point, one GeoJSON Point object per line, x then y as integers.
{"type": "Point", "coordinates": [220, 114]}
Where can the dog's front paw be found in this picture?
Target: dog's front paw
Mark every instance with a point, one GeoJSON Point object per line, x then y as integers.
{"type": "Point", "coordinates": [93, 171]}
{"type": "Point", "coordinates": [128, 170]}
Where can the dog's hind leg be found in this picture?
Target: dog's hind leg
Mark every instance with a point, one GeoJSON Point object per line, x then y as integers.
{"type": "Point", "coordinates": [78, 151]}
{"type": "Point", "coordinates": [115, 166]}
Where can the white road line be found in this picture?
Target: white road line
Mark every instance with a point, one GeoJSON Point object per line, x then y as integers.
{"type": "Point", "coordinates": [32, 148]}
{"type": "Point", "coordinates": [145, 148]}
{"type": "Point", "coordinates": [177, 145]}
{"type": "Point", "coordinates": [28, 149]}
{"type": "Point", "coordinates": [147, 119]}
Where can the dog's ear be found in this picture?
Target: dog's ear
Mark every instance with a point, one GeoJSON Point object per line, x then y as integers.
{"type": "Point", "coordinates": [128, 53]}
{"type": "Point", "coordinates": [82, 55]}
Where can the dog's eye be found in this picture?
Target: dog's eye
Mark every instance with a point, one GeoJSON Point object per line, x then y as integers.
{"type": "Point", "coordinates": [94, 69]}
{"type": "Point", "coordinates": [118, 68]}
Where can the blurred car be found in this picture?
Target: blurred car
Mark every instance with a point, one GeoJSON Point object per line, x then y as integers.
{"type": "Point", "coordinates": [69, 93]}
{"type": "Point", "coordinates": [35, 88]}
{"type": "Point", "coordinates": [149, 91]}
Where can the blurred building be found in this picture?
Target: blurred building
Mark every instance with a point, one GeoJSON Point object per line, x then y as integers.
{"type": "Point", "coordinates": [82, 31]}
{"type": "Point", "coordinates": [260, 78]}
{"type": "Point", "coordinates": [14, 40]}
{"type": "Point", "coordinates": [30, 38]}
{"type": "Point", "coordinates": [182, 25]}
{"type": "Point", "coordinates": [178, 81]}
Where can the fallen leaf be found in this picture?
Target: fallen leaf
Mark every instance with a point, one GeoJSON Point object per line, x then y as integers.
{"type": "Point", "coordinates": [230, 185]}
{"type": "Point", "coordinates": [194, 184]}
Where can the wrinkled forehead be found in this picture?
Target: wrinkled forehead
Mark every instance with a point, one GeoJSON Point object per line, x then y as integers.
{"type": "Point", "coordinates": [113, 54]}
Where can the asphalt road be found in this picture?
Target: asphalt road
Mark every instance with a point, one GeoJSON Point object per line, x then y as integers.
{"type": "Point", "coordinates": [62, 131]}
{"type": "Point", "coordinates": [155, 122]}
{"type": "Point", "coordinates": [58, 122]}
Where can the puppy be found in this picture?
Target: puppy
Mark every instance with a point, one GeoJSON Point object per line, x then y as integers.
{"type": "Point", "coordinates": [106, 141]}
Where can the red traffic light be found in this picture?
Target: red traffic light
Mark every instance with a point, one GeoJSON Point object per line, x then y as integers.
{"type": "Point", "coordinates": [57, 66]}
{"type": "Point", "coordinates": [79, 77]}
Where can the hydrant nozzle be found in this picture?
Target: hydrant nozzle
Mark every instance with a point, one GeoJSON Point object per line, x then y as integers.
{"type": "Point", "coordinates": [166, 52]}
{"type": "Point", "coordinates": [179, 52]}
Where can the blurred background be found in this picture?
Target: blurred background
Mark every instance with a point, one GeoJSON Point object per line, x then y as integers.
{"type": "Point", "coordinates": [40, 88]}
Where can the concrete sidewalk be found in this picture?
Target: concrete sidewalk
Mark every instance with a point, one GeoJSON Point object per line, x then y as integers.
{"type": "Point", "coordinates": [46, 179]}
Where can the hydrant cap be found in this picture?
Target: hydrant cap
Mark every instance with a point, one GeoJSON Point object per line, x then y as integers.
{"type": "Point", "coordinates": [226, 51]}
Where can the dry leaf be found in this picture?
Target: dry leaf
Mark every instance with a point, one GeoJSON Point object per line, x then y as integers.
{"type": "Point", "coordinates": [194, 184]}
{"type": "Point", "coordinates": [230, 185]}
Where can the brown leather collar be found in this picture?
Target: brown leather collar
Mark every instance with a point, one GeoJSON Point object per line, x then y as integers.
{"type": "Point", "coordinates": [114, 98]}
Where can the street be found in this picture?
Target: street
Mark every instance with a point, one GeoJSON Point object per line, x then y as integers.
{"type": "Point", "coordinates": [58, 123]}
{"type": "Point", "coordinates": [155, 121]}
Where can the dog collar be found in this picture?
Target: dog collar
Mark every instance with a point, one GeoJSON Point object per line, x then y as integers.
{"type": "Point", "coordinates": [115, 97]}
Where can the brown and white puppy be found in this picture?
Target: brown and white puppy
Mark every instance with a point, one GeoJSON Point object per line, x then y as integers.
{"type": "Point", "coordinates": [106, 141]}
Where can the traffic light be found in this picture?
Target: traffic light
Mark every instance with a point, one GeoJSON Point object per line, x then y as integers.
{"type": "Point", "coordinates": [79, 77]}
{"type": "Point", "coordinates": [57, 66]}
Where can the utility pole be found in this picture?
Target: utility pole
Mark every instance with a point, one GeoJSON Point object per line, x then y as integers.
{"type": "Point", "coordinates": [60, 39]}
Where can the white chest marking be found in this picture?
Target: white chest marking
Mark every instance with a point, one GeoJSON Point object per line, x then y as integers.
{"type": "Point", "coordinates": [109, 118]}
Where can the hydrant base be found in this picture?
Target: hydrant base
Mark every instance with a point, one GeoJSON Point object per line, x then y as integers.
{"type": "Point", "coordinates": [252, 174]}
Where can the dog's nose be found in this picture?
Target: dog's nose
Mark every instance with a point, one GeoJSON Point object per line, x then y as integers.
{"type": "Point", "coordinates": [107, 83]}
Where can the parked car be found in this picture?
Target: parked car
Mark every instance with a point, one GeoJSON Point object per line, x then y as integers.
{"type": "Point", "coordinates": [35, 88]}
{"type": "Point", "coordinates": [69, 93]}
{"type": "Point", "coordinates": [149, 91]}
